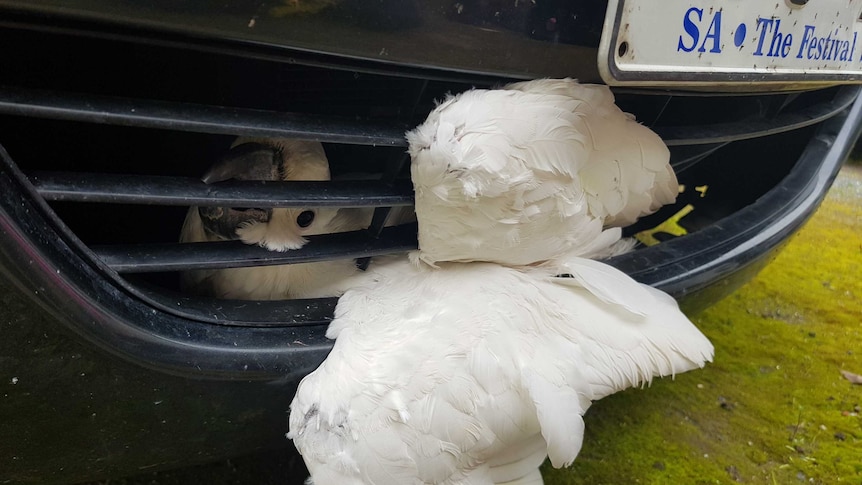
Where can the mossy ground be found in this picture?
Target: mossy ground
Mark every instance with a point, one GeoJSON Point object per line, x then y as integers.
{"type": "Point", "coordinates": [773, 408]}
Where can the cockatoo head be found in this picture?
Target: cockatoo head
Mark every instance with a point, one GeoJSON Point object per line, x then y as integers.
{"type": "Point", "coordinates": [277, 229]}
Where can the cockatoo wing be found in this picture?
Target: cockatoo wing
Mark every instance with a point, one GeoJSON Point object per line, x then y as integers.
{"type": "Point", "coordinates": [443, 376]}
{"type": "Point", "coordinates": [605, 282]}
{"type": "Point", "coordinates": [652, 337]}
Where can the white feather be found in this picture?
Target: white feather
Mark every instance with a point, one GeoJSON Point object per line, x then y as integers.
{"type": "Point", "coordinates": [533, 172]}
{"type": "Point", "coordinates": [605, 282]}
{"type": "Point", "coordinates": [484, 359]}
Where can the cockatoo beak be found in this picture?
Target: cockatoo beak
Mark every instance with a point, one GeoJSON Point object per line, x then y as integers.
{"type": "Point", "coordinates": [223, 222]}
{"type": "Point", "coordinates": [248, 161]}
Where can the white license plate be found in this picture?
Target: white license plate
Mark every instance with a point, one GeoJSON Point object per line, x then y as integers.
{"type": "Point", "coordinates": [731, 41]}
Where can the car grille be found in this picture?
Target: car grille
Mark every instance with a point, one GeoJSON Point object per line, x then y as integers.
{"type": "Point", "coordinates": [109, 140]}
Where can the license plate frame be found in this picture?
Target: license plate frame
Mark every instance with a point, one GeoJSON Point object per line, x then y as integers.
{"type": "Point", "coordinates": [728, 42]}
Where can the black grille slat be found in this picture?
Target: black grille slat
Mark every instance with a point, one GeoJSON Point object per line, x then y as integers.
{"type": "Point", "coordinates": [757, 127]}
{"type": "Point", "coordinates": [143, 258]}
{"type": "Point", "coordinates": [198, 118]}
{"type": "Point", "coordinates": [184, 191]}
{"type": "Point", "coordinates": [252, 122]}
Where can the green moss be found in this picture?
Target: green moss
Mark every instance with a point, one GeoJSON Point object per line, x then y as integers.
{"type": "Point", "coordinates": [773, 408]}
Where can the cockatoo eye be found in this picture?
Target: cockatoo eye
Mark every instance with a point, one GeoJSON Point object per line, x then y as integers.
{"type": "Point", "coordinates": [305, 218]}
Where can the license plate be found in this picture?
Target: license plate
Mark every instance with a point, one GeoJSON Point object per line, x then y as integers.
{"type": "Point", "coordinates": [731, 41]}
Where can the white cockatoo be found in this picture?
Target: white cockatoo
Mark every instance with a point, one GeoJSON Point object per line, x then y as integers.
{"type": "Point", "coordinates": [462, 371]}
{"type": "Point", "coordinates": [473, 373]}
{"type": "Point", "coordinates": [533, 172]}
{"type": "Point", "coordinates": [277, 229]}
